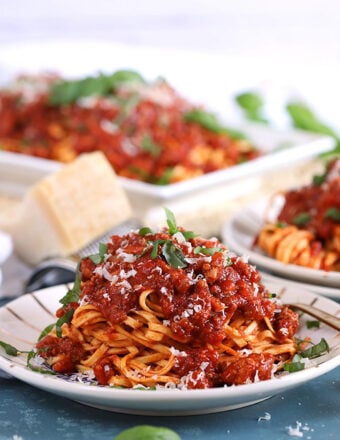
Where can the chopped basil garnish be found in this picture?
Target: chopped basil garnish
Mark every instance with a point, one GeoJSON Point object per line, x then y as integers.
{"type": "Point", "coordinates": [295, 365]}
{"type": "Point", "coordinates": [210, 122]}
{"type": "Point", "coordinates": [100, 257]}
{"type": "Point", "coordinates": [150, 146]}
{"type": "Point", "coordinates": [252, 104]}
{"type": "Point", "coordinates": [207, 250]}
{"type": "Point", "coordinates": [313, 352]}
{"type": "Point", "coordinates": [316, 350]}
{"type": "Point", "coordinates": [301, 219]}
{"type": "Point", "coordinates": [305, 119]}
{"type": "Point", "coordinates": [155, 245]}
{"type": "Point", "coordinates": [73, 294]}
{"type": "Point", "coordinates": [64, 319]}
{"type": "Point", "coordinates": [145, 231]}
{"type": "Point", "coordinates": [171, 221]}
{"type": "Point", "coordinates": [333, 213]}
{"type": "Point", "coordinates": [68, 92]}
{"type": "Point", "coordinates": [9, 349]}
{"type": "Point", "coordinates": [165, 178]}
{"type": "Point", "coordinates": [46, 331]}
{"type": "Point", "coordinates": [319, 179]}
{"type": "Point", "coordinates": [313, 324]}
{"type": "Point", "coordinates": [173, 255]}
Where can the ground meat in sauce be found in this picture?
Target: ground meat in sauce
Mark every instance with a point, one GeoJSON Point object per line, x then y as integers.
{"type": "Point", "coordinates": [315, 201]}
{"type": "Point", "coordinates": [197, 301]}
{"type": "Point", "coordinates": [247, 368]}
{"type": "Point", "coordinates": [68, 351]}
{"type": "Point", "coordinates": [285, 323]}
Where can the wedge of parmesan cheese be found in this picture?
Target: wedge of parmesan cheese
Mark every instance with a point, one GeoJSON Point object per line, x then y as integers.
{"type": "Point", "coordinates": [68, 209]}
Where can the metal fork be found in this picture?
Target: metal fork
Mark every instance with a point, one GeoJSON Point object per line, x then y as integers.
{"type": "Point", "coordinates": [322, 316]}
{"type": "Point", "coordinates": [62, 270]}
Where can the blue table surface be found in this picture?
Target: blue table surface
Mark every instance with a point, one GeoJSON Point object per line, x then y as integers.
{"type": "Point", "coordinates": [28, 413]}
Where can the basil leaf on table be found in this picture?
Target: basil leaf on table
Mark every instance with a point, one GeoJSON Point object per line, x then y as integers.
{"type": "Point", "coordinates": [148, 432]}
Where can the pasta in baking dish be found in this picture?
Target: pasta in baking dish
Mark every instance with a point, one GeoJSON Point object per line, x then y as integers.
{"type": "Point", "coordinates": [147, 131]}
{"type": "Point", "coordinates": [169, 309]}
{"type": "Point", "coordinates": [307, 231]}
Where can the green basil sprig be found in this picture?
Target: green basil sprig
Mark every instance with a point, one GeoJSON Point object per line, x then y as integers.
{"type": "Point", "coordinates": [313, 352]}
{"type": "Point", "coordinates": [252, 105]}
{"type": "Point", "coordinates": [211, 123]}
{"type": "Point", "coordinates": [69, 91]}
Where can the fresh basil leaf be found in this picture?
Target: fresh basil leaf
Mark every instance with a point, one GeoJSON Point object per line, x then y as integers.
{"type": "Point", "coordinates": [9, 349]}
{"type": "Point", "coordinates": [73, 294]}
{"type": "Point", "coordinates": [207, 250]}
{"type": "Point", "coordinates": [316, 350]}
{"type": "Point", "coordinates": [69, 91]}
{"type": "Point", "coordinates": [147, 432]}
{"type": "Point", "coordinates": [227, 261]}
{"type": "Point", "coordinates": [171, 221]}
{"type": "Point", "coordinates": [100, 257]}
{"type": "Point", "coordinates": [155, 245]}
{"type": "Point", "coordinates": [148, 144]}
{"type": "Point", "coordinates": [46, 331]}
{"type": "Point", "coordinates": [188, 234]}
{"type": "Point", "coordinates": [211, 123]}
{"type": "Point", "coordinates": [173, 255]}
{"type": "Point", "coordinates": [165, 178]}
{"type": "Point", "coordinates": [64, 319]}
{"type": "Point", "coordinates": [252, 104]}
{"type": "Point", "coordinates": [305, 119]}
{"type": "Point", "coordinates": [292, 367]}
{"type": "Point", "coordinates": [313, 324]}
{"type": "Point", "coordinates": [333, 213]}
{"type": "Point", "coordinates": [301, 219]}
{"type": "Point", "coordinates": [145, 231]}
{"type": "Point", "coordinates": [319, 179]}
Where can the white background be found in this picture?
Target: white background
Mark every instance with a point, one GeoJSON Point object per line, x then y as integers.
{"type": "Point", "coordinates": [289, 46]}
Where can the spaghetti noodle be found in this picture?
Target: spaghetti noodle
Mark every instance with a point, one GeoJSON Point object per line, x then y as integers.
{"type": "Point", "coordinates": [170, 309]}
{"type": "Point", "coordinates": [307, 232]}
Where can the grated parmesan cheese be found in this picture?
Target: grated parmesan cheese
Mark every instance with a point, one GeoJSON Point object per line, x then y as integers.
{"type": "Point", "coordinates": [295, 432]}
{"type": "Point", "coordinates": [266, 417]}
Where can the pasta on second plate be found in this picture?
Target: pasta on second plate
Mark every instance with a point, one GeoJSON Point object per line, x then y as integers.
{"type": "Point", "coordinates": [307, 231]}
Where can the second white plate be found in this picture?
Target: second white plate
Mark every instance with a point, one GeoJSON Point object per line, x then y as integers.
{"type": "Point", "coordinates": [239, 233]}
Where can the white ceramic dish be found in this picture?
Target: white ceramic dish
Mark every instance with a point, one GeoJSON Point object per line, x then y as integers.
{"type": "Point", "coordinates": [331, 292]}
{"type": "Point", "coordinates": [6, 247]}
{"type": "Point", "coordinates": [22, 320]}
{"type": "Point", "coordinates": [239, 233]}
{"type": "Point", "coordinates": [19, 171]}
{"type": "Point", "coordinates": [280, 147]}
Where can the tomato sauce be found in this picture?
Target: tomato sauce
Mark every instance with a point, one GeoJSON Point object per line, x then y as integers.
{"type": "Point", "coordinates": [145, 137]}
{"type": "Point", "coordinates": [197, 300]}
{"type": "Point", "coordinates": [319, 203]}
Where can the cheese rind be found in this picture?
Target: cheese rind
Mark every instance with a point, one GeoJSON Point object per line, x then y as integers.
{"type": "Point", "coordinates": [68, 209]}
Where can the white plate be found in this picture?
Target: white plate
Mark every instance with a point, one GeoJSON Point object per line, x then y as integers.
{"type": "Point", "coordinates": [22, 320]}
{"type": "Point", "coordinates": [6, 247]}
{"type": "Point", "coordinates": [188, 80]}
{"type": "Point", "coordinates": [239, 233]}
{"type": "Point", "coordinates": [332, 292]}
